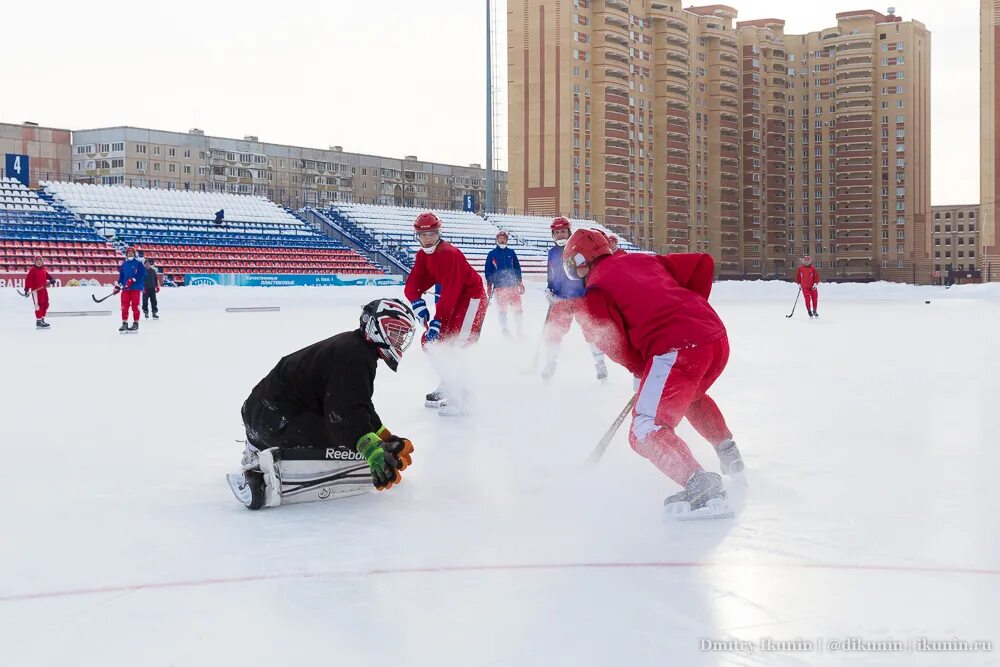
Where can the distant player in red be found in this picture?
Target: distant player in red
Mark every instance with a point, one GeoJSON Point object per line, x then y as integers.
{"type": "Point", "coordinates": [650, 314]}
{"type": "Point", "coordinates": [808, 279]}
{"type": "Point", "coordinates": [615, 250]}
{"type": "Point", "coordinates": [458, 315]}
{"type": "Point", "coordinates": [36, 285]}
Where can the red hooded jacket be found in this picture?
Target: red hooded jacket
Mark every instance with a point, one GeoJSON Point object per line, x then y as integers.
{"type": "Point", "coordinates": [641, 306]}
{"type": "Point", "coordinates": [807, 276]}
{"type": "Point", "coordinates": [37, 278]}
{"type": "Point", "coordinates": [449, 268]}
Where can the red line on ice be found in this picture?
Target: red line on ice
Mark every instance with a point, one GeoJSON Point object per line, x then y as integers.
{"type": "Point", "coordinates": [514, 567]}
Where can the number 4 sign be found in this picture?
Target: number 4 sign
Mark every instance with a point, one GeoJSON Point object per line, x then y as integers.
{"type": "Point", "coordinates": [18, 168]}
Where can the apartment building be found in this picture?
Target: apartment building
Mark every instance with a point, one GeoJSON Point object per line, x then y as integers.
{"type": "Point", "coordinates": [957, 241]}
{"type": "Point", "coordinates": [289, 175]}
{"type": "Point", "coordinates": [48, 149]}
{"type": "Point", "coordinates": [687, 130]}
{"type": "Point", "coordinates": [989, 152]}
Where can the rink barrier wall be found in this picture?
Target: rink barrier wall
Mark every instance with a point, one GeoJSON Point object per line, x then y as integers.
{"type": "Point", "coordinates": [63, 279]}
{"type": "Point", "coordinates": [291, 280]}
{"type": "Point", "coordinates": [255, 309]}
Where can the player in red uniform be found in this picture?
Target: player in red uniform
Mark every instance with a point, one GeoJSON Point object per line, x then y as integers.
{"type": "Point", "coordinates": [651, 315]}
{"type": "Point", "coordinates": [808, 279]}
{"type": "Point", "coordinates": [458, 315]}
{"type": "Point", "coordinates": [615, 250]}
{"type": "Point", "coordinates": [36, 285]}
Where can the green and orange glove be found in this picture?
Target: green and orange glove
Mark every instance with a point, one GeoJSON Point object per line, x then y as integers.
{"type": "Point", "coordinates": [387, 456]}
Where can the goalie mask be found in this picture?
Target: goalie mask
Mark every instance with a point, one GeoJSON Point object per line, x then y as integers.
{"type": "Point", "coordinates": [389, 325]}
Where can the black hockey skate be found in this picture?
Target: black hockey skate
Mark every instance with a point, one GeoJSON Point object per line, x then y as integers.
{"type": "Point", "coordinates": [41, 324]}
{"type": "Point", "coordinates": [702, 498]}
{"type": "Point", "coordinates": [145, 314]}
{"type": "Point", "coordinates": [436, 399]}
{"type": "Point", "coordinates": [155, 316]}
{"type": "Point", "coordinates": [134, 327]}
{"type": "Point", "coordinates": [123, 328]}
{"type": "Point", "coordinates": [729, 458]}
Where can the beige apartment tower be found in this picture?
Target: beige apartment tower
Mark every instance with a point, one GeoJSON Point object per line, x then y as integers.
{"type": "Point", "coordinates": [989, 155]}
{"type": "Point", "coordinates": [688, 130]}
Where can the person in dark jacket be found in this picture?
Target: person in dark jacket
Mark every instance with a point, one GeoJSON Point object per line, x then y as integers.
{"type": "Point", "coordinates": [312, 429]}
{"type": "Point", "coordinates": [503, 279]}
{"type": "Point", "coordinates": [152, 288]}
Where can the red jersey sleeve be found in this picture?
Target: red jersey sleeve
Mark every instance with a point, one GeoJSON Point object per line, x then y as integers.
{"type": "Point", "coordinates": [692, 271]}
{"type": "Point", "coordinates": [606, 328]}
{"type": "Point", "coordinates": [419, 280]}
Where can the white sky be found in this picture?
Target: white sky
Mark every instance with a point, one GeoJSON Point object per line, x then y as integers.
{"type": "Point", "coordinates": [392, 77]}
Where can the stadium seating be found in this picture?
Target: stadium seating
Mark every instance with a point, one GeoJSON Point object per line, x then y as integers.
{"type": "Point", "coordinates": [30, 226]}
{"type": "Point", "coordinates": [535, 229]}
{"type": "Point", "coordinates": [178, 228]}
{"type": "Point", "coordinates": [392, 227]}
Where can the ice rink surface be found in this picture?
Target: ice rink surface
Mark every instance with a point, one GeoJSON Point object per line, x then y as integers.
{"type": "Point", "coordinates": [871, 512]}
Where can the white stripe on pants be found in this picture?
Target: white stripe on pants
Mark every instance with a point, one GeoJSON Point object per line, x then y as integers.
{"type": "Point", "coordinates": [470, 318]}
{"type": "Point", "coordinates": [646, 405]}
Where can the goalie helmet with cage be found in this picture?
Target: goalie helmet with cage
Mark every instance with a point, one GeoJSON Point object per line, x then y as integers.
{"type": "Point", "coordinates": [389, 325]}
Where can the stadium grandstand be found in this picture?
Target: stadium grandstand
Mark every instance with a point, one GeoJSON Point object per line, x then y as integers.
{"type": "Point", "coordinates": [389, 229]}
{"type": "Point", "coordinates": [31, 226]}
{"type": "Point", "coordinates": [535, 230]}
{"type": "Point", "coordinates": [199, 232]}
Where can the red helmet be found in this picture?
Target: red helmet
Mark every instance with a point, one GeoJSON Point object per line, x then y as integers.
{"type": "Point", "coordinates": [583, 248]}
{"type": "Point", "coordinates": [559, 223]}
{"type": "Point", "coordinates": [427, 222]}
{"type": "Point", "coordinates": [807, 260]}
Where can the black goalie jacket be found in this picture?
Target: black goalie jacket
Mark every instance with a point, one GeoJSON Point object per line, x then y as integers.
{"type": "Point", "coordinates": [320, 396]}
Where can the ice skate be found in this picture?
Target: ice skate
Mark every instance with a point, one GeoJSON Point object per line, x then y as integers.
{"type": "Point", "coordinates": [40, 323]}
{"type": "Point", "coordinates": [602, 371]}
{"type": "Point", "coordinates": [435, 399]}
{"type": "Point", "coordinates": [145, 314]}
{"type": "Point", "coordinates": [135, 326]}
{"type": "Point", "coordinates": [549, 370]}
{"type": "Point", "coordinates": [702, 498]}
{"type": "Point", "coordinates": [730, 459]}
{"type": "Point", "coordinates": [156, 316]}
{"type": "Point", "coordinates": [123, 328]}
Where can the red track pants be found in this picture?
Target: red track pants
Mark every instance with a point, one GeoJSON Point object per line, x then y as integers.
{"type": "Point", "coordinates": [41, 299]}
{"type": "Point", "coordinates": [130, 299]}
{"type": "Point", "coordinates": [673, 387]}
{"type": "Point", "coordinates": [812, 298]}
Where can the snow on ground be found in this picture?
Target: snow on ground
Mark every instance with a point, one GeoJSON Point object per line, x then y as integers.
{"type": "Point", "coordinates": [870, 513]}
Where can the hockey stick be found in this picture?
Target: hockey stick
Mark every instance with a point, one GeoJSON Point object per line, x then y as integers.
{"type": "Point", "coordinates": [610, 433]}
{"type": "Point", "coordinates": [96, 300]}
{"type": "Point", "coordinates": [24, 294]}
{"type": "Point", "coordinates": [796, 303]}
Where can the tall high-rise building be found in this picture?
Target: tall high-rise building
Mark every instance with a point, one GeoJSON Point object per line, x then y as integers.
{"type": "Point", "coordinates": [989, 154]}
{"type": "Point", "coordinates": [688, 131]}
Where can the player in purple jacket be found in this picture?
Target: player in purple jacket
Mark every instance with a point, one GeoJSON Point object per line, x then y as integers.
{"type": "Point", "coordinates": [565, 300]}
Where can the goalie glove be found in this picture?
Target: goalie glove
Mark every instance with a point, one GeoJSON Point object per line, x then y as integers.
{"type": "Point", "coordinates": [420, 310]}
{"type": "Point", "coordinates": [386, 458]}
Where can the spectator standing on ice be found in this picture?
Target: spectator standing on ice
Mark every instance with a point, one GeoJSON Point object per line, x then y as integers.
{"type": "Point", "coordinates": [151, 289]}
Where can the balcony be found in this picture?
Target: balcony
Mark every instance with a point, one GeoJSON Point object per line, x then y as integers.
{"type": "Point", "coordinates": [616, 73]}
{"type": "Point", "coordinates": [862, 62]}
{"type": "Point", "coordinates": [855, 43]}
{"type": "Point", "coordinates": [615, 20]}
{"type": "Point", "coordinates": [677, 55]}
{"type": "Point", "coordinates": [615, 38]}
{"type": "Point", "coordinates": [854, 90]}
{"type": "Point", "coordinates": [677, 89]}
{"type": "Point", "coordinates": [854, 104]}
{"type": "Point", "coordinates": [676, 38]}
{"type": "Point", "coordinates": [677, 71]}
{"type": "Point", "coordinates": [617, 57]}
{"type": "Point", "coordinates": [620, 5]}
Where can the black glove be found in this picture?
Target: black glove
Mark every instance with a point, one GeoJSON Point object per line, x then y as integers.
{"type": "Point", "coordinates": [52, 282]}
